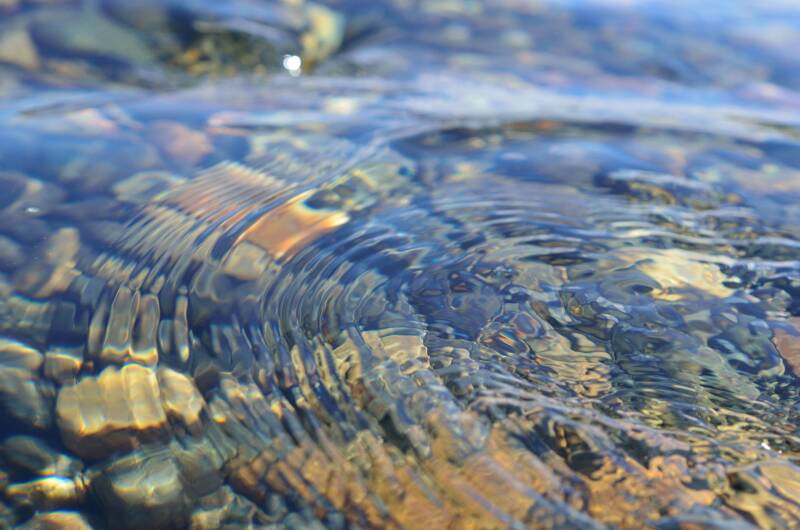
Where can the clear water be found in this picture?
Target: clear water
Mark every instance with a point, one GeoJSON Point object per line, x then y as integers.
{"type": "Point", "coordinates": [399, 264]}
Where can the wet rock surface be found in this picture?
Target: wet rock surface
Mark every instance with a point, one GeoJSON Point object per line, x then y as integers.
{"type": "Point", "coordinates": [114, 411]}
{"type": "Point", "coordinates": [435, 264]}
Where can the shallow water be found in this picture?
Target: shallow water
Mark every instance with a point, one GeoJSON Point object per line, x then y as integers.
{"type": "Point", "coordinates": [399, 264]}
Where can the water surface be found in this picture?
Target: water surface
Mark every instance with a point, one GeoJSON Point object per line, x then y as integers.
{"type": "Point", "coordinates": [399, 264]}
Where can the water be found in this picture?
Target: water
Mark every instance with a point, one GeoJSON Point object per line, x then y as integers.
{"type": "Point", "coordinates": [418, 264]}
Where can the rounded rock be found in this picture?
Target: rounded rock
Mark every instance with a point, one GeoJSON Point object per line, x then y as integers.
{"type": "Point", "coordinates": [143, 491]}
{"type": "Point", "coordinates": [57, 520]}
{"type": "Point", "coordinates": [117, 410]}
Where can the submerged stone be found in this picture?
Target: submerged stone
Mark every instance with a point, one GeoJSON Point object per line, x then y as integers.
{"type": "Point", "coordinates": [86, 32]}
{"type": "Point", "coordinates": [143, 490]}
{"type": "Point", "coordinates": [114, 411]}
{"type": "Point", "coordinates": [17, 47]}
{"type": "Point", "coordinates": [179, 142]}
{"type": "Point", "coordinates": [180, 398]}
{"type": "Point", "coordinates": [12, 255]}
{"type": "Point", "coordinates": [19, 355]}
{"type": "Point", "coordinates": [35, 456]}
{"type": "Point", "coordinates": [48, 493]}
{"type": "Point", "coordinates": [63, 365]}
{"type": "Point", "coordinates": [26, 398]}
{"type": "Point", "coordinates": [57, 520]}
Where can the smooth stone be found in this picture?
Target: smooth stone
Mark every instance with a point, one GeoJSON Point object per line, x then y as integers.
{"type": "Point", "coordinates": [15, 354]}
{"type": "Point", "coordinates": [788, 344]}
{"type": "Point", "coordinates": [180, 398]}
{"type": "Point", "coordinates": [63, 365]}
{"type": "Point", "coordinates": [325, 34]}
{"type": "Point", "coordinates": [12, 256]}
{"type": "Point", "coordinates": [17, 48]}
{"type": "Point", "coordinates": [48, 493]}
{"type": "Point", "coordinates": [86, 32]}
{"type": "Point", "coordinates": [54, 271]}
{"type": "Point", "coordinates": [114, 411]}
{"type": "Point", "coordinates": [220, 508]}
{"type": "Point", "coordinates": [25, 398]}
{"type": "Point", "coordinates": [143, 490]}
{"type": "Point", "coordinates": [27, 198]}
{"type": "Point", "coordinates": [63, 245]}
{"type": "Point", "coordinates": [149, 15]}
{"type": "Point", "coordinates": [142, 187]}
{"type": "Point", "coordinates": [57, 520]}
{"type": "Point", "coordinates": [36, 457]}
{"type": "Point", "coordinates": [179, 142]}
{"type": "Point", "coordinates": [246, 261]}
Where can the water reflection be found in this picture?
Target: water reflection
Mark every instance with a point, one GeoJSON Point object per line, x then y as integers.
{"type": "Point", "coordinates": [482, 265]}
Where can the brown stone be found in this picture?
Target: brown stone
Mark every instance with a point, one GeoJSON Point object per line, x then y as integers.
{"type": "Point", "coordinates": [62, 365]}
{"type": "Point", "coordinates": [288, 228]}
{"type": "Point", "coordinates": [326, 30]}
{"type": "Point", "coordinates": [788, 344]}
{"type": "Point", "coordinates": [246, 261]}
{"type": "Point", "coordinates": [60, 520]}
{"type": "Point", "coordinates": [114, 411]}
{"type": "Point", "coordinates": [142, 187]}
{"type": "Point", "coordinates": [124, 328]}
{"type": "Point", "coordinates": [36, 457]}
{"type": "Point", "coordinates": [180, 142]}
{"type": "Point", "coordinates": [180, 398]}
{"type": "Point", "coordinates": [48, 493]}
{"type": "Point", "coordinates": [17, 48]}
{"type": "Point", "coordinates": [677, 271]}
{"type": "Point", "coordinates": [56, 272]}
{"type": "Point", "coordinates": [12, 256]}
{"type": "Point", "coordinates": [143, 490]}
{"type": "Point", "coordinates": [19, 355]}
{"type": "Point", "coordinates": [25, 398]}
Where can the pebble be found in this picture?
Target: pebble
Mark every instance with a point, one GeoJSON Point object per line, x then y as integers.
{"type": "Point", "coordinates": [143, 490]}
{"type": "Point", "coordinates": [62, 365]}
{"type": "Point", "coordinates": [36, 457]}
{"type": "Point", "coordinates": [130, 332]}
{"type": "Point", "coordinates": [54, 270]}
{"type": "Point", "coordinates": [14, 354]}
{"type": "Point", "coordinates": [26, 197]}
{"type": "Point", "coordinates": [180, 398]}
{"type": "Point", "coordinates": [224, 507]}
{"type": "Point", "coordinates": [142, 187]}
{"type": "Point", "coordinates": [290, 227]}
{"type": "Point", "coordinates": [179, 142]}
{"type": "Point", "coordinates": [17, 48]}
{"type": "Point", "coordinates": [48, 493]}
{"type": "Point", "coordinates": [116, 410]}
{"type": "Point", "coordinates": [788, 344]}
{"type": "Point", "coordinates": [325, 34]}
{"type": "Point", "coordinates": [85, 32]}
{"type": "Point", "coordinates": [677, 271]}
{"type": "Point", "coordinates": [25, 398]}
{"type": "Point", "coordinates": [58, 520]}
{"type": "Point", "coordinates": [148, 15]}
{"type": "Point", "coordinates": [246, 261]}
{"type": "Point", "coordinates": [63, 245]}
{"type": "Point", "coordinates": [11, 255]}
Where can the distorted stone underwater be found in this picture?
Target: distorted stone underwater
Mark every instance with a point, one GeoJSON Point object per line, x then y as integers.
{"type": "Point", "coordinates": [402, 264]}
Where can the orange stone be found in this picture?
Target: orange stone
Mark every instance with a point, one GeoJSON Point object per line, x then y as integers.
{"type": "Point", "coordinates": [291, 226]}
{"type": "Point", "coordinates": [788, 344]}
{"type": "Point", "coordinates": [180, 142]}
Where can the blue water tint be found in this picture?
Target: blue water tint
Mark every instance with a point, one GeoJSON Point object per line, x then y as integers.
{"type": "Point", "coordinates": [399, 264]}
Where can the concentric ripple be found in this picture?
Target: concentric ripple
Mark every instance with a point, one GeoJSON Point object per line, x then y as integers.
{"type": "Point", "coordinates": [407, 335]}
{"type": "Point", "coordinates": [488, 265]}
